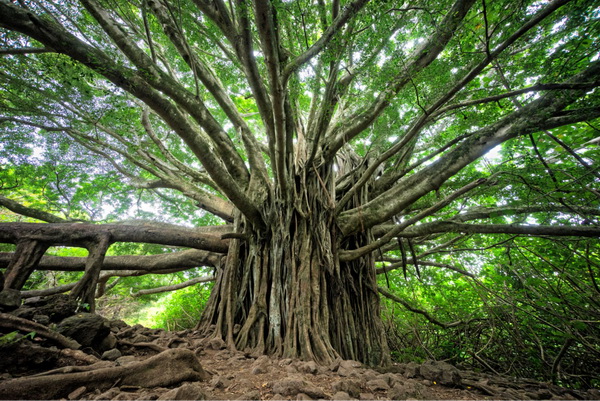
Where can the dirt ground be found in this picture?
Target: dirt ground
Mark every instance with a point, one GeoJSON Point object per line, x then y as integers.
{"type": "Point", "coordinates": [149, 364]}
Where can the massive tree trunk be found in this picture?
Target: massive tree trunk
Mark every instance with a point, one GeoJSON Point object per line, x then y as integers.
{"type": "Point", "coordinates": [284, 291]}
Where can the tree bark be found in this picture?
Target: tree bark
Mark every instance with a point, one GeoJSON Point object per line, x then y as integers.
{"type": "Point", "coordinates": [81, 234]}
{"type": "Point", "coordinates": [149, 264]}
{"type": "Point", "coordinates": [285, 292]}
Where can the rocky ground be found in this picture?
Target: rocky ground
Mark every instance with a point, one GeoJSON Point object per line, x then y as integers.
{"type": "Point", "coordinates": [84, 356]}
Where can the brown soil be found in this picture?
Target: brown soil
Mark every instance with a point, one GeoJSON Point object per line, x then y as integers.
{"type": "Point", "coordinates": [166, 365]}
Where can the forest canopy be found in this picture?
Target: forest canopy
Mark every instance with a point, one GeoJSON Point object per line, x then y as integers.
{"type": "Point", "coordinates": [316, 156]}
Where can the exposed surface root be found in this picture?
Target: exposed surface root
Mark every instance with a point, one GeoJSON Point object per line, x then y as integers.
{"type": "Point", "coordinates": [165, 369]}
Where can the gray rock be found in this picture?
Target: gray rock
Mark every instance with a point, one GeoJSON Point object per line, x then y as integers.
{"type": "Point", "coordinates": [217, 344]}
{"type": "Point", "coordinates": [220, 382]}
{"type": "Point", "coordinates": [291, 369]}
{"type": "Point", "coordinates": [302, 396]}
{"type": "Point", "coordinates": [440, 372]}
{"type": "Point", "coordinates": [56, 307]}
{"type": "Point", "coordinates": [285, 362]}
{"type": "Point", "coordinates": [368, 396]}
{"type": "Point", "coordinates": [410, 389]}
{"type": "Point", "coordinates": [295, 385]}
{"type": "Point", "coordinates": [250, 395]}
{"type": "Point", "coordinates": [124, 360]}
{"type": "Point", "coordinates": [348, 372]}
{"type": "Point", "coordinates": [340, 395]}
{"type": "Point", "coordinates": [42, 319]}
{"type": "Point", "coordinates": [10, 299]}
{"type": "Point", "coordinates": [189, 391]}
{"type": "Point", "coordinates": [261, 365]}
{"type": "Point", "coordinates": [308, 367]}
{"type": "Point", "coordinates": [109, 342]}
{"type": "Point", "coordinates": [140, 338]}
{"type": "Point", "coordinates": [352, 387]}
{"type": "Point", "coordinates": [350, 364]}
{"type": "Point", "coordinates": [378, 385]}
{"type": "Point", "coordinates": [112, 355]}
{"type": "Point", "coordinates": [411, 370]}
{"type": "Point", "coordinates": [87, 329]}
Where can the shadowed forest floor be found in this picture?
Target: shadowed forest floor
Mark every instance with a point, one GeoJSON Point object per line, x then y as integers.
{"type": "Point", "coordinates": [122, 362]}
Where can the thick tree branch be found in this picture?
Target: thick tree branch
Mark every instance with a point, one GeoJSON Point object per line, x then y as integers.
{"type": "Point", "coordinates": [153, 76]}
{"type": "Point", "coordinates": [173, 287]}
{"type": "Point", "coordinates": [142, 263]}
{"type": "Point", "coordinates": [15, 18]}
{"type": "Point", "coordinates": [425, 314]}
{"type": "Point", "coordinates": [356, 253]}
{"type": "Point", "coordinates": [533, 117]}
{"type": "Point", "coordinates": [537, 230]}
{"type": "Point", "coordinates": [77, 234]}
{"type": "Point", "coordinates": [420, 59]}
{"type": "Point", "coordinates": [434, 111]}
{"type": "Point", "coordinates": [348, 12]}
{"type": "Point", "coordinates": [18, 208]}
{"type": "Point", "coordinates": [26, 50]}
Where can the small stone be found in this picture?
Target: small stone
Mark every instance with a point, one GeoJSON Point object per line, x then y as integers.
{"type": "Point", "coordinates": [10, 299]}
{"type": "Point", "coordinates": [411, 370]}
{"type": "Point", "coordinates": [87, 329]}
{"type": "Point", "coordinates": [308, 367]}
{"type": "Point", "coordinates": [112, 355]}
{"type": "Point", "coordinates": [140, 338]}
{"type": "Point", "coordinates": [378, 385]}
{"type": "Point", "coordinates": [350, 364]}
{"type": "Point", "coordinates": [291, 369]}
{"type": "Point", "coordinates": [302, 396]}
{"type": "Point", "coordinates": [250, 395]}
{"type": "Point", "coordinates": [124, 360]}
{"type": "Point", "coordinates": [351, 387]}
{"type": "Point", "coordinates": [334, 366]}
{"type": "Point", "coordinates": [409, 390]}
{"type": "Point", "coordinates": [217, 344]}
{"type": "Point", "coordinates": [77, 393]}
{"type": "Point", "coordinates": [348, 372]}
{"type": "Point", "coordinates": [42, 319]}
{"type": "Point", "coordinates": [261, 365]}
{"type": "Point", "coordinates": [440, 372]}
{"type": "Point", "coordinates": [369, 396]}
{"type": "Point", "coordinates": [109, 342]}
{"type": "Point", "coordinates": [189, 391]}
{"type": "Point", "coordinates": [285, 362]}
{"type": "Point", "coordinates": [220, 382]}
{"type": "Point", "coordinates": [295, 385]}
{"type": "Point", "coordinates": [258, 370]}
{"type": "Point", "coordinates": [340, 395]}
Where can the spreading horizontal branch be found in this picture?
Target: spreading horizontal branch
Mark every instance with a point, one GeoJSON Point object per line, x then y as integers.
{"type": "Point", "coordinates": [77, 234]}
{"type": "Point", "coordinates": [174, 287]}
{"type": "Point", "coordinates": [144, 263]}
{"type": "Point", "coordinates": [425, 314]}
{"type": "Point", "coordinates": [18, 208]}
{"type": "Point", "coordinates": [533, 117]}
{"type": "Point", "coordinates": [453, 227]}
